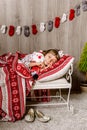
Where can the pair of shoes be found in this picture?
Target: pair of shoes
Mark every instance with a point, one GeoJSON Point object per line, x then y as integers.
{"type": "Point", "coordinates": [30, 117]}
{"type": "Point", "coordinates": [41, 117]}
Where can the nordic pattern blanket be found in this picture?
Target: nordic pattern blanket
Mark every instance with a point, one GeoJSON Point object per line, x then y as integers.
{"type": "Point", "coordinates": [13, 88]}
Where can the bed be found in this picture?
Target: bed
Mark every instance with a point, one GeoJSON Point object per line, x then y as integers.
{"type": "Point", "coordinates": [58, 77]}
{"type": "Point", "coordinates": [16, 83]}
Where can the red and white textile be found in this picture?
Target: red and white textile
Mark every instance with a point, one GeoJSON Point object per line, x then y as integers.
{"type": "Point", "coordinates": [13, 88]}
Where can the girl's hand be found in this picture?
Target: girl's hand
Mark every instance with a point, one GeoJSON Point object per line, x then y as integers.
{"type": "Point", "coordinates": [41, 65]}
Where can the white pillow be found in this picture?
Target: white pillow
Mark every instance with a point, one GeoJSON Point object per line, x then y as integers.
{"type": "Point", "coordinates": [58, 70]}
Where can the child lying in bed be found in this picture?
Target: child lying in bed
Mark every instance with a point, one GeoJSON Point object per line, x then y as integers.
{"type": "Point", "coordinates": [41, 60]}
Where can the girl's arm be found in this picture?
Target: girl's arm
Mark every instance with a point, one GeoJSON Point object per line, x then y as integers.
{"type": "Point", "coordinates": [39, 64]}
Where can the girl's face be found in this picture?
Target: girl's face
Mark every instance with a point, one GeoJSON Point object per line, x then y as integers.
{"type": "Point", "coordinates": [49, 59]}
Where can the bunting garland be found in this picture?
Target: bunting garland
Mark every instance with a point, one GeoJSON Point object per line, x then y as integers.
{"type": "Point", "coordinates": [49, 25]}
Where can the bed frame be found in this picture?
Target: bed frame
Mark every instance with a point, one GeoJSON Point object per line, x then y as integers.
{"type": "Point", "coordinates": [64, 83]}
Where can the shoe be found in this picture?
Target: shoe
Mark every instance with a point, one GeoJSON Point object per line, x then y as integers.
{"type": "Point", "coordinates": [30, 117]}
{"type": "Point", "coordinates": [41, 117]}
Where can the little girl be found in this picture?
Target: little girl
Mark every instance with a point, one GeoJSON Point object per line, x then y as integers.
{"type": "Point", "coordinates": [42, 59]}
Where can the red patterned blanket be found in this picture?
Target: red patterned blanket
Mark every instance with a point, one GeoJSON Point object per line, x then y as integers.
{"type": "Point", "coordinates": [14, 86]}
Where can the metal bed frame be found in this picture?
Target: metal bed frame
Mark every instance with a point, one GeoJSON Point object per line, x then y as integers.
{"type": "Point", "coordinates": [58, 84]}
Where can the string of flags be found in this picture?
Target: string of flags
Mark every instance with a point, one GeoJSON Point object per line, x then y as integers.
{"type": "Point", "coordinates": [35, 28]}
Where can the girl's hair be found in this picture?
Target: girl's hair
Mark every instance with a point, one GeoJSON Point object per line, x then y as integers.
{"type": "Point", "coordinates": [53, 52]}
